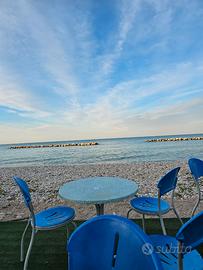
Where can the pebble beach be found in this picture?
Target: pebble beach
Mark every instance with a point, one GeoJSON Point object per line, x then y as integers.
{"type": "Point", "coordinates": [45, 181]}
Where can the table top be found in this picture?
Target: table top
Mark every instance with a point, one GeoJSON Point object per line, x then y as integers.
{"type": "Point", "coordinates": [98, 190]}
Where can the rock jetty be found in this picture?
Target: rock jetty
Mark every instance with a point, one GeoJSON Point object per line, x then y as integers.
{"type": "Point", "coordinates": [175, 139]}
{"type": "Point", "coordinates": [54, 145]}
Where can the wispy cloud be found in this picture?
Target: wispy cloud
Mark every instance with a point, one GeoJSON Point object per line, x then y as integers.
{"type": "Point", "coordinates": [49, 49]}
{"type": "Point", "coordinates": [127, 14]}
{"type": "Point", "coordinates": [102, 68]}
{"type": "Point", "coordinates": [58, 57]}
{"type": "Point", "coordinates": [18, 100]}
{"type": "Point", "coordinates": [160, 95]}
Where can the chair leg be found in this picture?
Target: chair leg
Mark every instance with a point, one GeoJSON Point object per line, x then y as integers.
{"type": "Point", "coordinates": [74, 224]}
{"type": "Point", "coordinates": [177, 215]}
{"type": "Point", "coordinates": [143, 222]}
{"type": "Point", "coordinates": [29, 249]}
{"type": "Point", "coordinates": [131, 209]}
{"type": "Point", "coordinates": [195, 207]}
{"type": "Point", "coordinates": [180, 257]}
{"type": "Point", "coordinates": [22, 242]}
{"type": "Point", "coordinates": [67, 232]}
{"type": "Point", "coordinates": [162, 225]}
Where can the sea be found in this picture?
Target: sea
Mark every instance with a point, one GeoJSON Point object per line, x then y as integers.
{"type": "Point", "coordinates": [115, 150]}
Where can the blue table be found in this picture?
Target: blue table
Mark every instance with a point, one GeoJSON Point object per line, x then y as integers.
{"type": "Point", "coordinates": [98, 191]}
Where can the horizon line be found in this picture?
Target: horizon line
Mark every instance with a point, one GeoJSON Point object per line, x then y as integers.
{"type": "Point", "coordinates": [106, 138]}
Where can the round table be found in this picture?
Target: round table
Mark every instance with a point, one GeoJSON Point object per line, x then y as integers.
{"type": "Point", "coordinates": [98, 191]}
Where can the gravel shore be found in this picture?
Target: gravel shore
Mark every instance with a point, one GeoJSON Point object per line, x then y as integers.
{"type": "Point", "coordinates": [45, 181]}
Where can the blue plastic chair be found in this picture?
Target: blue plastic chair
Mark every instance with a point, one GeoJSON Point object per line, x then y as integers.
{"type": "Point", "coordinates": [48, 219]}
{"type": "Point", "coordinates": [196, 168]}
{"type": "Point", "coordinates": [180, 252]}
{"type": "Point", "coordinates": [157, 206]}
{"type": "Point", "coordinates": [111, 242]}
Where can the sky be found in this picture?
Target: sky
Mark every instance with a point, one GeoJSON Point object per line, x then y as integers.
{"type": "Point", "coordinates": [89, 69]}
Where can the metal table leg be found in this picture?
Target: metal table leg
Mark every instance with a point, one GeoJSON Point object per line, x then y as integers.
{"type": "Point", "coordinates": [99, 209]}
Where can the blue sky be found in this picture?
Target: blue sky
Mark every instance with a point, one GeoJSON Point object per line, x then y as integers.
{"type": "Point", "coordinates": [92, 69]}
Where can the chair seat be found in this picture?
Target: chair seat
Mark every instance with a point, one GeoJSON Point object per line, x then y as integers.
{"type": "Point", "coordinates": [54, 217]}
{"type": "Point", "coordinates": [167, 249]}
{"type": "Point", "coordinates": [149, 205]}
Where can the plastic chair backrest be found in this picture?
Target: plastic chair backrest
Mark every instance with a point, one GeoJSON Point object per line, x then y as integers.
{"type": "Point", "coordinates": [168, 181]}
{"type": "Point", "coordinates": [196, 167]}
{"type": "Point", "coordinates": [25, 190]}
{"type": "Point", "coordinates": [191, 233]}
{"type": "Point", "coordinates": [111, 242]}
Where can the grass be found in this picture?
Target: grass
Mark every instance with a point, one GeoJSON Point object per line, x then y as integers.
{"type": "Point", "coordinates": [49, 249]}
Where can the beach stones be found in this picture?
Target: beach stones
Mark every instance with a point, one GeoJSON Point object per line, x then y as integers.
{"type": "Point", "coordinates": [45, 181]}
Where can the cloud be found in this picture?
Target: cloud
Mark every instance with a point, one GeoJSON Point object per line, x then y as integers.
{"type": "Point", "coordinates": [49, 49]}
{"type": "Point", "coordinates": [55, 68]}
{"type": "Point", "coordinates": [16, 99]}
{"type": "Point", "coordinates": [127, 13]}
{"type": "Point", "coordinates": [180, 119]}
{"type": "Point", "coordinates": [160, 95]}
{"type": "Point", "coordinates": [133, 30]}
{"type": "Point", "coordinates": [58, 46]}
{"type": "Point", "coordinates": [173, 110]}
{"type": "Point", "coordinates": [171, 82]}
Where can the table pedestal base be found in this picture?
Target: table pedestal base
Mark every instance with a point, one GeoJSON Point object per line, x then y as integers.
{"type": "Point", "coordinates": [99, 209]}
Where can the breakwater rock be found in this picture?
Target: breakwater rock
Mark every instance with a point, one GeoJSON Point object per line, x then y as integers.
{"type": "Point", "coordinates": [53, 145]}
{"type": "Point", "coordinates": [175, 139]}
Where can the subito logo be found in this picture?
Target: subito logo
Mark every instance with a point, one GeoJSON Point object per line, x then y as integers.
{"type": "Point", "coordinates": [147, 249]}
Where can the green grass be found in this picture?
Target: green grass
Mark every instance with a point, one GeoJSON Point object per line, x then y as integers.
{"type": "Point", "coordinates": [49, 249]}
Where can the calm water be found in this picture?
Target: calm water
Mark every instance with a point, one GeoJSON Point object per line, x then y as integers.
{"type": "Point", "coordinates": [108, 150]}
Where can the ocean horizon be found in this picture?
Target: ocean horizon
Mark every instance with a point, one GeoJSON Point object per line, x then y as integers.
{"type": "Point", "coordinates": [108, 150]}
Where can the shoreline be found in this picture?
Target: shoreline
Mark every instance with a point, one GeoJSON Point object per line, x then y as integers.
{"type": "Point", "coordinates": [45, 181]}
{"type": "Point", "coordinates": [22, 165]}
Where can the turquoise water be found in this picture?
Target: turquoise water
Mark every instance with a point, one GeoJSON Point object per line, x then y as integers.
{"type": "Point", "coordinates": [108, 150]}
